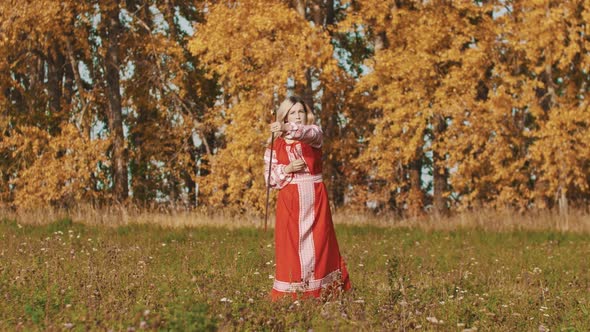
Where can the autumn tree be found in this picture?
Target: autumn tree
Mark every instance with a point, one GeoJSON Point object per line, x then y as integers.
{"type": "Point", "coordinates": [108, 68]}
{"type": "Point", "coordinates": [259, 50]}
{"type": "Point", "coordinates": [549, 42]}
{"type": "Point", "coordinates": [427, 63]}
{"type": "Point", "coordinates": [425, 105]}
{"type": "Point", "coordinates": [40, 102]}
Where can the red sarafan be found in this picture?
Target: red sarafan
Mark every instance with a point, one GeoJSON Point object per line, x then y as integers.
{"type": "Point", "coordinates": [308, 260]}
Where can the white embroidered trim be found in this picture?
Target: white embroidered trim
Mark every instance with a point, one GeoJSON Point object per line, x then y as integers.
{"type": "Point", "coordinates": [310, 285]}
{"type": "Point", "coordinates": [306, 221]}
{"type": "Point", "coordinates": [306, 178]}
{"type": "Point", "coordinates": [279, 178]}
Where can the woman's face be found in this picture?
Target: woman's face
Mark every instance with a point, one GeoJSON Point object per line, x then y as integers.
{"type": "Point", "coordinates": [296, 114]}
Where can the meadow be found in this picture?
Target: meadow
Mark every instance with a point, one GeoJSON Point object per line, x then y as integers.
{"type": "Point", "coordinates": [76, 275]}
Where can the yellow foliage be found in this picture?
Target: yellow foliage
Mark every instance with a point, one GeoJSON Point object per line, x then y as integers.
{"type": "Point", "coordinates": [424, 104]}
{"type": "Point", "coordinates": [64, 170]}
{"type": "Point", "coordinates": [255, 48]}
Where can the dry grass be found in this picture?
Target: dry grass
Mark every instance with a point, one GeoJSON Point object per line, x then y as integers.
{"type": "Point", "coordinates": [577, 221]}
{"type": "Point", "coordinates": [116, 216]}
{"type": "Point", "coordinates": [489, 220]}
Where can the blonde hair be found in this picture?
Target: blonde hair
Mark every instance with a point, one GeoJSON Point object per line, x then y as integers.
{"type": "Point", "coordinates": [288, 103]}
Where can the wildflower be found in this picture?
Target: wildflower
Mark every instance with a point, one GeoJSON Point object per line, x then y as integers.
{"type": "Point", "coordinates": [433, 320]}
{"type": "Point", "coordinates": [224, 299]}
{"type": "Point", "coordinates": [68, 325]}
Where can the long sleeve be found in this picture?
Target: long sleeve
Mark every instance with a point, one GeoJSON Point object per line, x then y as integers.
{"type": "Point", "coordinates": [278, 177]}
{"type": "Point", "coordinates": [309, 134]}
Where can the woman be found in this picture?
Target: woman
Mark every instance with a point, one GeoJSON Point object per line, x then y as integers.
{"type": "Point", "coordinates": [306, 251]}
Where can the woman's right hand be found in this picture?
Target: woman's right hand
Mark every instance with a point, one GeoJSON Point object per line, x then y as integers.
{"type": "Point", "coordinates": [278, 128]}
{"type": "Point", "coordinates": [295, 166]}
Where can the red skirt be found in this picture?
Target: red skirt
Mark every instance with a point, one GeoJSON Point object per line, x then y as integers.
{"type": "Point", "coordinates": [307, 256]}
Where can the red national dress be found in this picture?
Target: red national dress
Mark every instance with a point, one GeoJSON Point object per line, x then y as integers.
{"type": "Point", "coordinates": [306, 250]}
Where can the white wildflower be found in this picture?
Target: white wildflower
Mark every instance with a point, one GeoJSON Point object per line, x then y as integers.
{"type": "Point", "coordinates": [432, 320]}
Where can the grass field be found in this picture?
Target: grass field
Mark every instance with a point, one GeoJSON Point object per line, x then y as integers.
{"type": "Point", "coordinates": [66, 275]}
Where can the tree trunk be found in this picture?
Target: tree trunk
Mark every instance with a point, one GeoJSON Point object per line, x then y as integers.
{"type": "Point", "coordinates": [381, 41]}
{"type": "Point", "coordinates": [440, 186]}
{"type": "Point", "coordinates": [300, 6]}
{"type": "Point", "coordinates": [440, 173]}
{"type": "Point", "coordinates": [316, 13]}
{"type": "Point", "coordinates": [84, 120]}
{"type": "Point", "coordinates": [415, 201]}
{"type": "Point", "coordinates": [563, 208]}
{"type": "Point", "coordinates": [330, 13]}
{"type": "Point", "coordinates": [55, 65]}
{"type": "Point", "coordinates": [115, 116]}
{"type": "Point", "coordinates": [304, 89]}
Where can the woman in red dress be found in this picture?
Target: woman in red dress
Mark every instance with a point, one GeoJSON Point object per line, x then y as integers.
{"type": "Point", "coordinates": [306, 250]}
